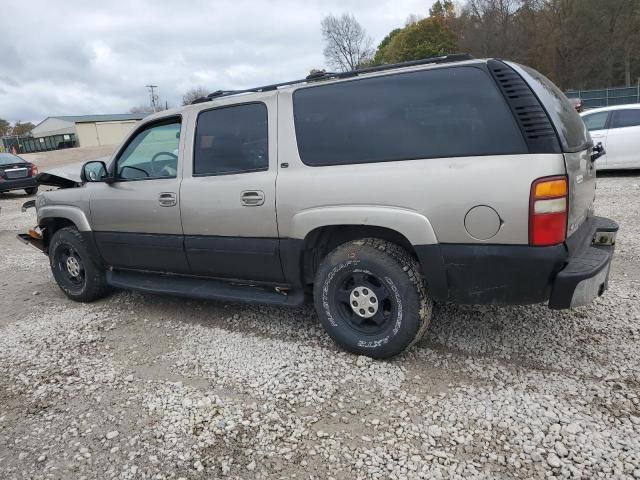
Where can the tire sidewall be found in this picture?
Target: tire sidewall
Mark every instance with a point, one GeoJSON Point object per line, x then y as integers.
{"type": "Point", "coordinates": [59, 240]}
{"type": "Point", "coordinates": [402, 327]}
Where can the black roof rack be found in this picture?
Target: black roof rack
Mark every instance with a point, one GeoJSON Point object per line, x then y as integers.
{"type": "Point", "coordinates": [457, 57]}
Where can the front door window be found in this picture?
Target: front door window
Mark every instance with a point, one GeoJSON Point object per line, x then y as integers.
{"type": "Point", "coordinates": [153, 153]}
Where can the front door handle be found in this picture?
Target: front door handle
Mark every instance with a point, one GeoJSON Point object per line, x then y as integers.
{"type": "Point", "coordinates": [252, 198]}
{"type": "Point", "coordinates": [168, 199]}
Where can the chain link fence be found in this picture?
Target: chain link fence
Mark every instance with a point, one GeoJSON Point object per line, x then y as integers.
{"type": "Point", "coordinates": [605, 97]}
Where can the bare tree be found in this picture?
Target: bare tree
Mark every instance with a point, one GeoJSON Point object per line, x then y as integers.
{"type": "Point", "coordinates": [347, 45]}
{"type": "Point", "coordinates": [194, 94]}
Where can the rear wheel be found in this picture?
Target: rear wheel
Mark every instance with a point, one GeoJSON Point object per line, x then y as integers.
{"type": "Point", "coordinates": [371, 298]}
{"type": "Point", "coordinates": [31, 191]}
{"type": "Point", "coordinates": [78, 275]}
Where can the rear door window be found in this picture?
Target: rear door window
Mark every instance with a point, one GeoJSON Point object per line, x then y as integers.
{"type": "Point", "coordinates": [231, 140]}
{"type": "Point", "coordinates": [625, 118]}
{"type": "Point", "coordinates": [596, 121]}
{"type": "Point", "coordinates": [447, 112]}
{"type": "Point", "coordinates": [574, 136]}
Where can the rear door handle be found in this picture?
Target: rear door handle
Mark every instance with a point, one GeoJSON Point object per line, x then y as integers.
{"type": "Point", "coordinates": [252, 198]}
{"type": "Point", "coordinates": [168, 199]}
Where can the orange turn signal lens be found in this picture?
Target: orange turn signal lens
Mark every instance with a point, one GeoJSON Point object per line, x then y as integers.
{"type": "Point", "coordinates": [35, 233]}
{"type": "Point", "coordinates": [551, 188]}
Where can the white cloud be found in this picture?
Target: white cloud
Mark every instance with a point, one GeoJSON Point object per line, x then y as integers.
{"type": "Point", "coordinates": [79, 57]}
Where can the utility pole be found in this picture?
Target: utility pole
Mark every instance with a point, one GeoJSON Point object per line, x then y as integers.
{"type": "Point", "coordinates": [153, 98]}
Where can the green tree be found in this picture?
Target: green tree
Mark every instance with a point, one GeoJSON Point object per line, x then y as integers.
{"type": "Point", "coordinates": [378, 58]}
{"type": "Point", "coordinates": [443, 9]}
{"type": "Point", "coordinates": [429, 37]}
{"type": "Point", "coordinates": [20, 129]}
{"type": "Point", "coordinates": [5, 127]}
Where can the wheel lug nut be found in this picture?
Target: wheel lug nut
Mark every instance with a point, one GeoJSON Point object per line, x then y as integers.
{"type": "Point", "coordinates": [372, 299]}
{"type": "Point", "coordinates": [356, 294]}
{"type": "Point", "coordinates": [355, 304]}
{"type": "Point", "coordinates": [362, 312]}
{"type": "Point", "coordinates": [371, 310]}
{"type": "Point", "coordinates": [365, 291]}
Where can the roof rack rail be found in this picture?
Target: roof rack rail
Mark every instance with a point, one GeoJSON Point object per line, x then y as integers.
{"type": "Point", "coordinates": [456, 57]}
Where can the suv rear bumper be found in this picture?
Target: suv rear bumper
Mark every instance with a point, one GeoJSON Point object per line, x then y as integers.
{"type": "Point", "coordinates": [586, 274]}
{"type": "Point", "coordinates": [565, 275]}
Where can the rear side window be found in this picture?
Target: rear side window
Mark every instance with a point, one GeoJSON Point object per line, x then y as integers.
{"type": "Point", "coordinates": [231, 140]}
{"type": "Point", "coordinates": [447, 112]}
{"type": "Point", "coordinates": [570, 127]}
{"type": "Point", "coordinates": [625, 118]}
{"type": "Point", "coordinates": [596, 121]}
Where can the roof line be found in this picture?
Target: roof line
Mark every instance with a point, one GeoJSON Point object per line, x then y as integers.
{"type": "Point", "coordinates": [456, 57]}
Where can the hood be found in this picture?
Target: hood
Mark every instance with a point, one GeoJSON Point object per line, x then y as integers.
{"type": "Point", "coordinates": [64, 177]}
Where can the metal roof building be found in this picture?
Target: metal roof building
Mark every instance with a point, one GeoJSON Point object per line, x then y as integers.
{"type": "Point", "coordinates": [89, 130]}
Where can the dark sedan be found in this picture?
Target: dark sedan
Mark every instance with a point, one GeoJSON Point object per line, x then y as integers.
{"type": "Point", "coordinates": [17, 174]}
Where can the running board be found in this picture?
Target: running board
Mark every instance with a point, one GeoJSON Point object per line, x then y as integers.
{"type": "Point", "coordinates": [205, 288]}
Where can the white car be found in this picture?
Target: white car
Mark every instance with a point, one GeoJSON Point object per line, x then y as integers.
{"type": "Point", "coordinates": [618, 129]}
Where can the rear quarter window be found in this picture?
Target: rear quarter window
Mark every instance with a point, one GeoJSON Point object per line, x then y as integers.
{"type": "Point", "coordinates": [572, 131]}
{"type": "Point", "coordinates": [448, 112]}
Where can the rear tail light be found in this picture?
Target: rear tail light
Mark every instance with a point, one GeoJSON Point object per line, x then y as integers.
{"type": "Point", "coordinates": [548, 207]}
{"type": "Point", "coordinates": [34, 170]}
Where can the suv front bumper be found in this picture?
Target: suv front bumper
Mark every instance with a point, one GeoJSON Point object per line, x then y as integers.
{"type": "Point", "coordinates": [586, 274]}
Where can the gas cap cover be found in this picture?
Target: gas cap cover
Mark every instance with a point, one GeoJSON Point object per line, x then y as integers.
{"type": "Point", "coordinates": [482, 222]}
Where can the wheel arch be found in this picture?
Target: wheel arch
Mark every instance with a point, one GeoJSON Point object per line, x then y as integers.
{"type": "Point", "coordinates": [51, 219]}
{"type": "Point", "coordinates": [301, 257]}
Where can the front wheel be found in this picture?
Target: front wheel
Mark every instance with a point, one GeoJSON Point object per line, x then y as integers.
{"type": "Point", "coordinates": [371, 298]}
{"type": "Point", "coordinates": [78, 275]}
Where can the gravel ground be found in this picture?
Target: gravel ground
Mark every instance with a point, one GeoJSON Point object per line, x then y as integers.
{"type": "Point", "coordinates": [142, 386]}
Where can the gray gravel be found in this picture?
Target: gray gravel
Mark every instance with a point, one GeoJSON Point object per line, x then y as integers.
{"type": "Point", "coordinates": [141, 386]}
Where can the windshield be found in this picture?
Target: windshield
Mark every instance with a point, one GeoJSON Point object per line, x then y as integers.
{"type": "Point", "coordinates": [8, 159]}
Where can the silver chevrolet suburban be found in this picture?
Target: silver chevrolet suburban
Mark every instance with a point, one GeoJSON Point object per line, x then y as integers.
{"type": "Point", "coordinates": [376, 192]}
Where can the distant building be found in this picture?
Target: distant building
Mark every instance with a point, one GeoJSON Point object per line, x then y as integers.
{"type": "Point", "coordinates": [88, 130]}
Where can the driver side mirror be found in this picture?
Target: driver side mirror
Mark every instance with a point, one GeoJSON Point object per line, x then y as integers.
{"type": "Point", "coordinates": [95, 171]}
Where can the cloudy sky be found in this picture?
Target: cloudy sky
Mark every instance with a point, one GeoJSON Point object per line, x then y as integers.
{"type": "Point", "coordinates": [89, 57]}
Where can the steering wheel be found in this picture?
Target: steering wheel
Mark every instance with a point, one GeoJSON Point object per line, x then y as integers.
{"type": "Point", "coordinates": [154, 168]}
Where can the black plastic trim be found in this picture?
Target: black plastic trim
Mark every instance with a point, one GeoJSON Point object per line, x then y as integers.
{"type": "Point", "coordinates": [586, 261]}
{"type": "Point", "coordinates": [501, 274]}
{"type": "Point", "coordinates": [454, 57]}
{"type": "Point", "coordinates": [205, 288]}
{"type": "Point", "coordinates": [235, 257]}
{"type": "Point", "coordinates": [143, 251]}
{"type": "Point", "coordinates": [291, 256]}
{"type": "Point", "coordinates": [532, 118]}
{"type": "Point", "coordinates": [37, 243]}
